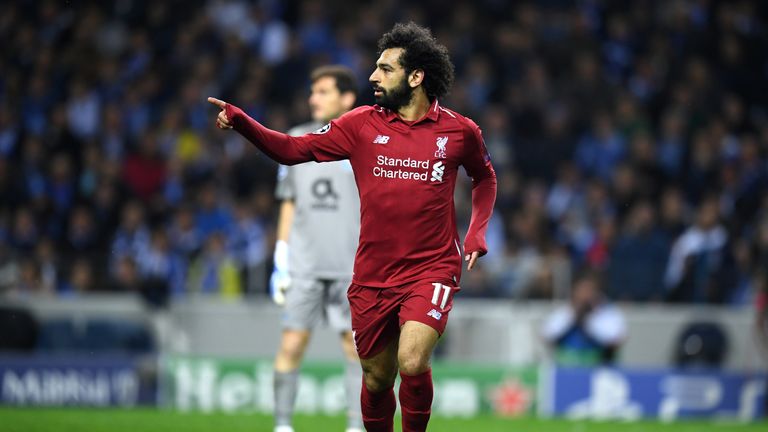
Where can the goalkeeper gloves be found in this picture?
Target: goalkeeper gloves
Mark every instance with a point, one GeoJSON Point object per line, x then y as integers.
{"type": "Point", "coordinates": [280, 280]}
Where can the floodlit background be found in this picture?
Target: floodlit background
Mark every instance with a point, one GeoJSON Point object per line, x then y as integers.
{"type": "Point", "coordinates": [630, 141]}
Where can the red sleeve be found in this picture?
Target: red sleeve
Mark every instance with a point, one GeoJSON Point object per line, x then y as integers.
{"type": "Point", "coordinates": [477, 162]}
{"type": "Point", "coordinates": [333, 141]}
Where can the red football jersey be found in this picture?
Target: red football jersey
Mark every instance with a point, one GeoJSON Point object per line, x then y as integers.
{"type": "Point", "coordinates": [406, 174]}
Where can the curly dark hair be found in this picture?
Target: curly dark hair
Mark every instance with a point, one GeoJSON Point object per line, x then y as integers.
{"type": "Point", "coordinates": [421, 51]}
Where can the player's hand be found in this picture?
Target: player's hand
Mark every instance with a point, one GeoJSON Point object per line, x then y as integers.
{"type": "Point", "coordinates": [471, 258]}
{"type": "Point", "coordinates": [222, 122]}
{"type": "Point", "coordinates": [279, 283]}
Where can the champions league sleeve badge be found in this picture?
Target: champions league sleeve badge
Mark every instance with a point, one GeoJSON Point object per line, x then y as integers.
{"type": "Point", "coordinates": [323, 130]}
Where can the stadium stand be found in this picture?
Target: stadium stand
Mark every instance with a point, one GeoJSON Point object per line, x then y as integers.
{"type": "Point", "coordinates": [608, 126]}
{"type": "Point", "coordinates": [630, 139]}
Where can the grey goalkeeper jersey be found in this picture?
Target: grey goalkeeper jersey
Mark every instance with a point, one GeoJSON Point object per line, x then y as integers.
{"type": "Point", "coordinates": [326, 222]}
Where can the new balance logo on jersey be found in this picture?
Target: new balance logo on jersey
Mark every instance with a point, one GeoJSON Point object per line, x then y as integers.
{"type": "Point", "coordinates": [435, 314]}
{"type": "Point", "coordinates": [381, 139]}
{"type": "Point", "coordinates": [437, 172]}
{"type": "Point", "coordinates": [442, 142]}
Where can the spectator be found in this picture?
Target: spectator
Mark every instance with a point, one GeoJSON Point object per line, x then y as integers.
{"type": "Point", "coordinates": [173, 190]}
{"type": "Point", "coordinates": [644, 162]}
{"type": "Point", "coordinates": [29, 282]}
{"type": "Point", "coordinates": [46, 257]}
{"type": "Point", "coordinates": [125, 278]}
{"type": "Point", "coordinates": [565, 192]}
{"type": "Point", "coordinates": [599, 254]}
{"type": "Point", "coordinates": [698, 261]}
{"type": "Point", "coordinates": [671, 144]}
{"type": "Point", "coordinates": [588, 330]}
{"type": "Point", "coordinates": [82, 237]}
{"type": "Point", "coordinates": [215, 271]}
{"type": "Point", "coordinates": [602, 148]}
{"type": "Point", "coordinates": [163, 266]}
{"type": "Point", "coordinates": [106, 205]}
{"type": "Point", "coordinates": [83, 110]}
{"type": "Point", "coordinates": [247, 241]}
{"type": "Point", "coordinates": [113, 134]}
{"type": "Point", "coordinates": [186, 238]}
{"type": "Point", "coordinates": [88, 176]}
{"type": "Point", "coordinates": [212, 215]}
{"type": "Point", "coordinates": [132, 236]}
{"type": "Point", "coordinates": [62, 187]}
{"type": "Point", "coordinates": [32, 174]}
{"type": "Point", "coordinates": [701, 173]}
{"type": "Point", "coordinates": [673, 212]}
{"type": "Point", "coordinates": [144, 171]}
{"type": "Point", "coordinates": [81, 280]}
{"type": "Point", "coordinates": [24, 233]}
{"type": "Point", "coordinates": [638, 258]}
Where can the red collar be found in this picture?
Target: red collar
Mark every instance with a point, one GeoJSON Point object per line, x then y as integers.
{"type": "Point", "coordinates": [433, 114]}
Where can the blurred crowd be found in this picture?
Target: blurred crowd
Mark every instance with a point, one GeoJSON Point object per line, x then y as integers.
{"type": "Point", "coordinates": [630, 138]}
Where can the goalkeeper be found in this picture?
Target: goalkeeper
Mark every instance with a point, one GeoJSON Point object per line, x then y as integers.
{"type": "Point", "coordinates": [317, 236]}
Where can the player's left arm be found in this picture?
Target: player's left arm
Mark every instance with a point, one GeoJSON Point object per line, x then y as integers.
{"type": "Point", "coordinates": [333, 142]}
{"type": "Point", "coordinates": [477, 163]}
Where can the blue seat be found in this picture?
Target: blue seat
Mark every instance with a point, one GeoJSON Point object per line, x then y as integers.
{"type": "Point", "coordinates": [95, 336]}
{"type": "Point", "coordinates": [58, 335]}
{"type": "Point", "coordinates": [108, 335]}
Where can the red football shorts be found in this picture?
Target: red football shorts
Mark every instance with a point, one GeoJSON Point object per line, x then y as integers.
{"type": "Point", "coordinates": [378, 313]}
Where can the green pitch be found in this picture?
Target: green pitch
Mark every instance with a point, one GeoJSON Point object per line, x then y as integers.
{"type": "Point", "coordinates": [149, 420]}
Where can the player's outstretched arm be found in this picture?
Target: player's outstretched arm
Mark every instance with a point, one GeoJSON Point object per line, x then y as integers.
{"type": "Point", "coordinates": [334, 141]}
{"type": "Point", "coordinates": [278, 146]}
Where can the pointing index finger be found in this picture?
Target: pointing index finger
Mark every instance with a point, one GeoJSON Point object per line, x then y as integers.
{"type": "Point", "coordinates": [219, 103]}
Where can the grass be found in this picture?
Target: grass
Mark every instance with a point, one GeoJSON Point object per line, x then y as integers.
{"type": "Point", "coordinates": [151, 420]}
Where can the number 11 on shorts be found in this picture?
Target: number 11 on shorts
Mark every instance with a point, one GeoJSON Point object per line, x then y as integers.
{"type": "Point", "coordinates": [436, 295]}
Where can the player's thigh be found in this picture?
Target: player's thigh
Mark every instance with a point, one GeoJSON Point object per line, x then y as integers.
{"type": "Point", "coordinates": [428, 302]}
{"type": "Point", "coordinates": [337, 306]}
{"type": "Point", "coordinates": [380, 370]}
{"type": "Point", "coordinates": [416, 343]}
{"type": "Point", "coordinates": [374, 319]}
{"type": "Point", "coordinates": [303, 308]}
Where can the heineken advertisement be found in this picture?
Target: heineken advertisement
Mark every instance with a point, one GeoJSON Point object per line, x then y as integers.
{"type": "Point", "coordinates": [228, 385]}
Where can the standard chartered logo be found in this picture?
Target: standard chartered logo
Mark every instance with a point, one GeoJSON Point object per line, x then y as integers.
{"type": "Point", "coordinates": [437, 171]}
{"type": "Point", "coordinates": [408, 169]}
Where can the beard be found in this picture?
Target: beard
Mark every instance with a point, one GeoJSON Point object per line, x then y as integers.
{"type": "Point", "coordinates": [396, 97]}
